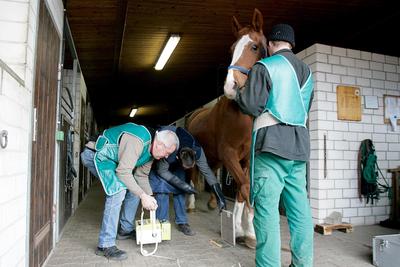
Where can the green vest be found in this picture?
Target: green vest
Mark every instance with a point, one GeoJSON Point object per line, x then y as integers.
{"type": "Point", "coordinates": [287, 101]}
{"type": "Point", "coordinates": [106, 157]}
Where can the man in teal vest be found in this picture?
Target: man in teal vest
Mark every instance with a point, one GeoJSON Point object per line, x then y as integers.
{"type": "Point", "coordinates": [123, 158]}
{"type": "Point", "coordinates": [278, 93]}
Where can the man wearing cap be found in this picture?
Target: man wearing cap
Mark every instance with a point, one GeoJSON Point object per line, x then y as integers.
{"type": "Point", "coordinates": [278, 94]}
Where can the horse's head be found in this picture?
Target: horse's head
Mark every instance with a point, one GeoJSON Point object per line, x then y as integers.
{"type": "Point", "coordinates": [249, 47]}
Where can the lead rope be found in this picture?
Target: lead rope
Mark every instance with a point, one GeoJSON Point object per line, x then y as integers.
{"type": "Point", "coordinates": [153, 226]}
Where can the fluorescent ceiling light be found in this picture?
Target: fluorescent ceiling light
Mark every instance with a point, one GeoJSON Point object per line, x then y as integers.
{"type": "Point", "coordinates": [167, 51]}
{"type": "Point", "coordinates": [133, 112]}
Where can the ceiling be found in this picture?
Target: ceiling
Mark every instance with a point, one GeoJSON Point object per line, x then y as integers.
{"type": "Point", "coordinates": [118, 43]}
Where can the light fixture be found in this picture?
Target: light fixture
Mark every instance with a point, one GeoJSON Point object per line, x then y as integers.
{"type": "Point", "coordinates": [167, 51]}
{"type": "Point", "coordinates": [133, 112]}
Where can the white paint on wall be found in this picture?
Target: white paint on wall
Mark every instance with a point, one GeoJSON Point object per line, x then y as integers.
{"type": "Point", "coordinates": [375, 75]}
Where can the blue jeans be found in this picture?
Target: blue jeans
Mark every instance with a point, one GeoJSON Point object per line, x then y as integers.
{"type": "Point", "coordinates": [112, 208]}
{"type": "Point", "coordinates": [111, 214]}
{"type": "Point", "coordinates": [87, 158]}
{"type": "Point", "coordinates": [162, 189]}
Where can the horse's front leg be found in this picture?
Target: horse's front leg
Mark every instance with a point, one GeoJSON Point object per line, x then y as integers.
{"type": "Point", "coordinates": [248, 228]}
{"type": "Point", "coordinates": [243, 213]}
{"type": "Point", "coordinates": [190, 199]}
{"type": "Point", "coordinates": [212, 202]}
{"type": "Point", "coordinates": [233, 165]}
{"type": "Point", "coordinates": [248, 215]}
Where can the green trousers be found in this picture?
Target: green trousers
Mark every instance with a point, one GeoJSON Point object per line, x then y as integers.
{"type": "Point", "coordinates": [277, 178]}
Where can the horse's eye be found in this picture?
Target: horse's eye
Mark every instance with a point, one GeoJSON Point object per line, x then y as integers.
{"type": "Point", "coordinates": [254, 47]}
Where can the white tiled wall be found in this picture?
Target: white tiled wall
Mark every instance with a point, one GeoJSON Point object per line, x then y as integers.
{"type": "Point", "coordinates": [375, 75]}
{"type": "Point", "coordinates": [17, 27]}
{"type": "Point", "coordinates": [18, 32]}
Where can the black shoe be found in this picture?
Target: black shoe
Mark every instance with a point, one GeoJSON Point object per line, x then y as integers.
{"type": "Point", "coordinates": [185, 228]}
{"type": "Point", "coordinates": [112, 253]}
{"type": "Point", "coordinates": [126, 235]}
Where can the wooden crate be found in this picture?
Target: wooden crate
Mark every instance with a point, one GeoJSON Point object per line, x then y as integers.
{"type": "Point", "coordinates": [326, 229]}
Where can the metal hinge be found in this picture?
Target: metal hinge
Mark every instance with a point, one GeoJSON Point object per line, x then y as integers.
{"type": "Point", "coordinates": [34, 124]}
{"type": "Point", "coordinates": [60, 67]}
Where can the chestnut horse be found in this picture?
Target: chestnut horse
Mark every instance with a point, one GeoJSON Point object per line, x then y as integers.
{"type": "Point", "coordinates": [225, 132]}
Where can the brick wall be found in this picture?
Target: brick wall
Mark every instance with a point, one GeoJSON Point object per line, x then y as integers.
{"type": "Point", "coordinates": [375, 75]}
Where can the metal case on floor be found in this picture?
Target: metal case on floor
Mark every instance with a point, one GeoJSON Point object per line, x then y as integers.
{"type": "Point", "coordinates": [386, 250]}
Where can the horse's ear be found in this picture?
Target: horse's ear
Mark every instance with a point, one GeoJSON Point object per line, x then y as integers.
{"type": "Point", "coordinates": [235, 26]}
{"type": "Point", "coordinates": [257, 20]}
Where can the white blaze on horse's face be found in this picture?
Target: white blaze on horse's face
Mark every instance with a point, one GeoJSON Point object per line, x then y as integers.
{"type": "Point", "coordinates": [230, 83]}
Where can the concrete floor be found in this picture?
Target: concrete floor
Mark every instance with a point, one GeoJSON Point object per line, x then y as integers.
{"type": "Point", "coordinates": [79, 240]}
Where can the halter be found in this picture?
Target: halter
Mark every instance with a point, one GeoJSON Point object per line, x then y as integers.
{"type": "Point", "coordinates": [239, 68]}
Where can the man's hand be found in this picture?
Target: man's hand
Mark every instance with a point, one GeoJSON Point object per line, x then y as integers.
{"type": "Point", "coordinates": [220, 196]}
{"type": "Point", "coordinates": [148, 202]}
{"type": "Point", "coordinates": [189, 189]}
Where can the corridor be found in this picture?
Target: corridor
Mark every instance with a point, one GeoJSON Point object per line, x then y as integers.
{"type": "Point", "coordinates": [77, 245]}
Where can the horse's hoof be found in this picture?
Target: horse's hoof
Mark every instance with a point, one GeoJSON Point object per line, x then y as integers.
{"type": "Point", "coordinates": [212, 205]}
{"type": "Point", "coordinates": [250, 242]}
{"type": "Point", "coordinates": [190, 210]}
{"type": "Point", "coordinates": [240, 240]}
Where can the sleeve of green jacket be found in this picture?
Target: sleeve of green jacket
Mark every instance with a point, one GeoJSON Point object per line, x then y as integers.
{"type": "Point", "coordinates": [130, 149]}
{"type": "Point", "coordinates": [253, 96]}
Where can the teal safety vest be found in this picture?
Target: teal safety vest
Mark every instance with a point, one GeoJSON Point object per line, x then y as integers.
{"type": "Point", "coordinates": [287, 102]}
{"type": "Point", "coordinates": [106, 157]}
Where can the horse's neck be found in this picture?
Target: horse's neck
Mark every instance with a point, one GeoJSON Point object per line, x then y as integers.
{"type": "Point", "coordinates": [231, 106]}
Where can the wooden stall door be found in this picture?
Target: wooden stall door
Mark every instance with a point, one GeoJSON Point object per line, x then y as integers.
{"type": "Point", "coordinates": [43, 145]}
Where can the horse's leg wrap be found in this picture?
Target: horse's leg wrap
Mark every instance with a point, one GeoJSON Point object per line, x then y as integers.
{"type": "Point", "coordinates": [238, 211]}
{"type": "Point", "coordinates": [248, 228]}
{"type": "Point", "coordinates": [190, 201]}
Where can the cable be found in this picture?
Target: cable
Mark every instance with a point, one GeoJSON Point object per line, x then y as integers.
{"type": "Point", "coordinates": [168, 258]}
{"type": "Point", "coordinates": [154, 234]}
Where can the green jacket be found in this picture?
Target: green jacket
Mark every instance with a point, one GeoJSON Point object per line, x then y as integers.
{"type": "Point", "coordinates": [288, 102]}
{"type": "Point", "coordinates": [106, 157]}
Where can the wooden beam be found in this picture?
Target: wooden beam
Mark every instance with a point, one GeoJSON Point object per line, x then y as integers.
{"type": "Point", "coordinates": [119, 33]}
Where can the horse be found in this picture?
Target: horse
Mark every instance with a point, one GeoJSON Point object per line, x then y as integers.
{"type": "Point", "coordinates": [225, 132]}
